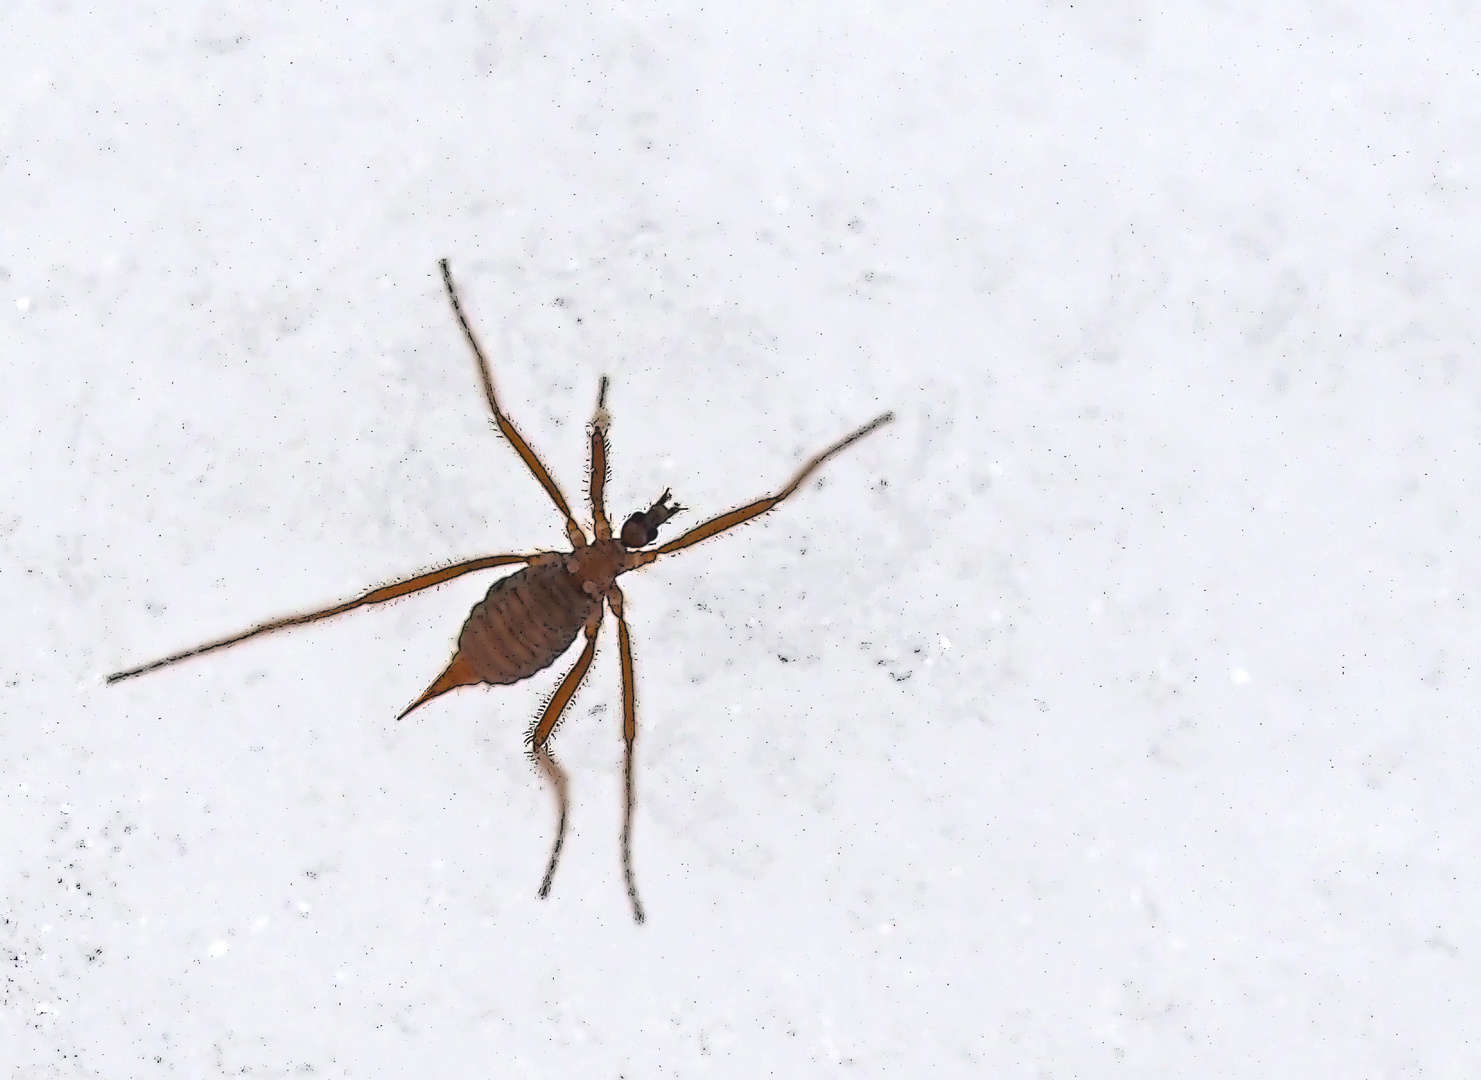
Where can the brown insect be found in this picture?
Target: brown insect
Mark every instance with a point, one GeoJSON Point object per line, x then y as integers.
{"type": "Point", "coordinates": [528, 619]}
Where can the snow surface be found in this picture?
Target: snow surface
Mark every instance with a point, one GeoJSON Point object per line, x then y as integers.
{"type": "Point", "coordinates": [1110, 714]}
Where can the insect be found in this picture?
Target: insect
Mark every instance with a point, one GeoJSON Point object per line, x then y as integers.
{"type": "Point", "coordinates": [531, 617]}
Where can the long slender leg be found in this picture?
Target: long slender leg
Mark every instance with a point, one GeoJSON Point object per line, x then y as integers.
{"type": "Point", "coordinates": [568, 685]}
{"type": "Point", "coordinates": [629, 735]}
{"type": "Point", "coordinates": [599, 424]}
{"type": "Point", "coordinates": [547, 725]}
{"type": "Point", "coordinates": [557, 777]}
{"type": "Point", "coordinates": [578, 538]}
{"type": "Point", "coordinates": [375, 596]}
{"type": "Point", "coordinates": [746, 513]}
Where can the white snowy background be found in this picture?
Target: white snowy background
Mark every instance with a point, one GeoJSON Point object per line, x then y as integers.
{"type": "Point", "coordinates": [1110, 714]}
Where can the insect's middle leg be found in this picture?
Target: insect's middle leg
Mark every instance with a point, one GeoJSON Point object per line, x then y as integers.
{"type": "Point", "coordinates": [557, 777]}
{"type": "Point", "coordinates": [568, 685]}
{"type": "Point", "coordinates": [542, 732]}
{"type": "Point", "coordinates": [735, 517]}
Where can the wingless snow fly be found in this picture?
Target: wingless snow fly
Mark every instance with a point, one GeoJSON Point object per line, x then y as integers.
{"type": "Point", "coordinates": [531, 617]}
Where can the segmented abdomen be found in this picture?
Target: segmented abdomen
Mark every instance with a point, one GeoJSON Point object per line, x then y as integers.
{"type": "Point", "coordinates": [527, 620]}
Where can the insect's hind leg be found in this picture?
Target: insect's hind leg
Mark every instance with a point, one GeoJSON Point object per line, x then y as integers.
{"type": "Point", "coordinates": [557, 777]}
{"type": "Point", "coordinates": [374, 596]}
{"type": "Point", "coordinates": [578, 538]}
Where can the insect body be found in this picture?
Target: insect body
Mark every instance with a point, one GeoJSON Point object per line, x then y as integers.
{"type": "Point", "coordinates": [528, 619]}
{"type": "Point", "coordinates": [525, 622]}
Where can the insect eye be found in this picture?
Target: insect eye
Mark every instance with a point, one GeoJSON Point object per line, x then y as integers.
{"type": "Point", "coordinates": [642, 528]}
{"type": "Point", "coordinates": [636, 532]}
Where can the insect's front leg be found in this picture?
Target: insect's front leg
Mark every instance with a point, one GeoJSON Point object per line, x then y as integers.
{"type": "Point", "coordinates": [629, 736]}
{"type": "Point", "coordinates": [600, 526]}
